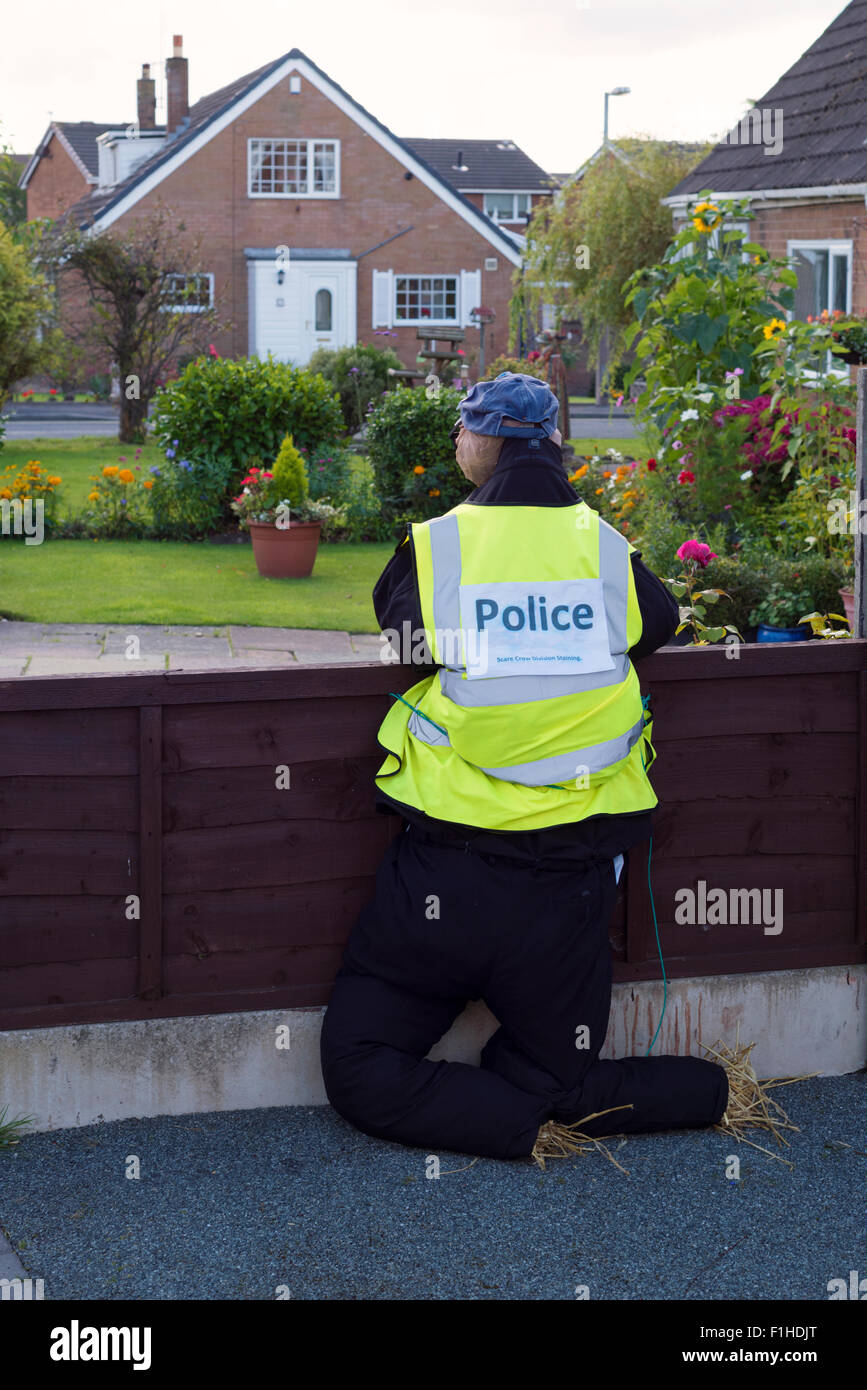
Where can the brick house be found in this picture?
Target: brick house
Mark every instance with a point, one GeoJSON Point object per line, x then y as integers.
{"type": "Point", "coordinates": [799, 158]}
{"type": "Point", "coordinates": [383, 234]}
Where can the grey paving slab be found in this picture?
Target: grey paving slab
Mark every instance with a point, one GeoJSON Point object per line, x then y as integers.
{"type": "Point", "coordinates": [225, 661]}
{"type": "Point", "coordinates": [71, 666]}
{"type": "Point", "coordinates": [278, 638]}
{"type": "Point", "coordinates": [68, 644]}
{"type": "Point", "coordinates": [10, 669]}
{"type": "Point", "coordinates": [367, 644]}
{"type": "Point", "coordinates": [10, 1265]}
{"type": "Point", "coordinates": [324, 657]}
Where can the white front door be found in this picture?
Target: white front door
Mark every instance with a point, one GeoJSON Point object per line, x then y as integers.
{"type": "Point", "coordinates": [313, 307]}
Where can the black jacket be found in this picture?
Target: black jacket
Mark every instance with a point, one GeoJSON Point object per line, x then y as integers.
{"type": "Point", "coordinates": [529, 473]}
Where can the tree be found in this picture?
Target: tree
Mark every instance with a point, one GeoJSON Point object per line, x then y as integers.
{"type": "Point", "coordinates": [13, 200]}
{"type": "Point", "coordinates": [25, 304]}
{"type": "Point", "coordinates": [594, 233]}
{"type": "Point", "coordinates": [143, 303]}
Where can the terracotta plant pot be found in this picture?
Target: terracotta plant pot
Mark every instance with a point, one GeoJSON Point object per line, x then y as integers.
{"type": "Point", "coordinates": [848, 597]}
{"type": "Point", "coordinates": [285, 553]}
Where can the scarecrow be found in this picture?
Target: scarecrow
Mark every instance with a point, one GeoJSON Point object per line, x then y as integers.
{"type": "Point", "coordinates": [520, 770]}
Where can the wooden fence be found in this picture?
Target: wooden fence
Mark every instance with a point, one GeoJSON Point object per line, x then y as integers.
{"type": "Point", "coordinates": [151, 866]}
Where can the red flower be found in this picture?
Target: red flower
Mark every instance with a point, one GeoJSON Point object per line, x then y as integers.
{"type": "Point", "coordinates": [651, 463]}
{"type": "Point", "coordinates": [685, 476]}
{"type": "Point", "coordinates": [698, 551]}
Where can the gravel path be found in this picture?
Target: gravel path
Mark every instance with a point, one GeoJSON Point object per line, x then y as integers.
{"type": "Point", "coordinates": [234, 1205]}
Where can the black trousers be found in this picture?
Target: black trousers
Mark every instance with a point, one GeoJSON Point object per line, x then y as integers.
{"type": "Point", "coordinates": [448, 925]}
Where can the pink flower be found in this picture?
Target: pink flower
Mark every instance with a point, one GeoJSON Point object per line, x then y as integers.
{"type": "Point", "coordinates": [696, 551]}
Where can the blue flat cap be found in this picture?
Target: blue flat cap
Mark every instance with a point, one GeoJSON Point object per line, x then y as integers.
{"type": "Point", "coordinates": [510, 396]}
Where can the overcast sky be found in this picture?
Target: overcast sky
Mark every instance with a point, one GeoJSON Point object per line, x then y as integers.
{"type": "Point", "coordinates": [531, 72]}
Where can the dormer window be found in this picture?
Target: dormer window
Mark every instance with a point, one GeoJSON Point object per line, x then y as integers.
{"type": "Point", "coordinates": [293, 168]}
{"type": "Point", "coordinates": [507, 207]}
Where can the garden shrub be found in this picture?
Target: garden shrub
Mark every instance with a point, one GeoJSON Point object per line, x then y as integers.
{"type": "Point", "coordinates": [358, 374]}
{"type": "Point", "coordinates": [328, 472]}
{"type": "Point", "coordinates": [364, 518]}
{"type": "Point", "coordinates": [225, 410]}
{"type": "Point", "coordinates": [416, 475]}
{"type": "Point", "coordinates": [514, 364]}
{"type": "Point", "coordinates": [289, 483]}
{"type": "Point", "coordinates": [189, 495]}
{"type": "Point", "coordinates": [748, 579]}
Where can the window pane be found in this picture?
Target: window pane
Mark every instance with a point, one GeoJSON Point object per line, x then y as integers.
{"type": "Point", "coordinates": [323, 311]}
{"type": "Point", "coordinates": [522, 201]}
{"type": "Point", "coordinates": [811, 296]}
{"type": "Point", "coordinates": [324, 167]}
{"type": "Point", "coordinates": [841, 276]}
{"type": "Point", "coordinates": [424, 297]}
{"type": "Point", "coordinates": [499, 205]}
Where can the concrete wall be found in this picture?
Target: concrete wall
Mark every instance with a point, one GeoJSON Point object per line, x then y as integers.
{"type": "Point", "coordinates": [800, 1020]}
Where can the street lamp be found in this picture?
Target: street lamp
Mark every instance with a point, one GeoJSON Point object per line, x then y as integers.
{"type": "Point", "coordinates": [615, 92]}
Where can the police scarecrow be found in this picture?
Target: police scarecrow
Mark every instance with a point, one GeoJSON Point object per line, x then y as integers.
{"type": "Point", "coordinates": [520, 769]}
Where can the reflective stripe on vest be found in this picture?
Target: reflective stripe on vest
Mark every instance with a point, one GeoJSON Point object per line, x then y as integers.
{"type": "Point", "coordinates": [543, 771]}
{"type": "Point", "coordinates": [516, 690]}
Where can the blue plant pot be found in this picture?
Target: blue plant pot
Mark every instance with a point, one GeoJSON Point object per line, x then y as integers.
{"type": "Point", "coordinates": [766, 633]}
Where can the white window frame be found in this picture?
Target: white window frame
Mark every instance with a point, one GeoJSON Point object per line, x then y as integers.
{"type": "Point", "coordinates": [193, 308]}
{"type": "Point", "coordinates": [456, 322]}
{"type": "Point", "coordinates": [310, 142]}
{"type": "Point", "coordinates": [515, 216]}
{"type": "Point", "coordinates": [841, 247]}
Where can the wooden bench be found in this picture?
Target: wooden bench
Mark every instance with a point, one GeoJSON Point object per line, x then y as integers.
{"type": "Point", "coordinates": [439, 357]}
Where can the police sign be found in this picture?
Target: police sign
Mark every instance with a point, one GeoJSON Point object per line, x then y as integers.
{"type": "Point", "coordinates": [555, 627]}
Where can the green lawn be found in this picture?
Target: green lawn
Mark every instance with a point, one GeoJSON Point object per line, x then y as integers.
{"type": "Point", "coordinates": [630, 448]}
{"type": "Point", "coordinates": [74, 460]}
{"type": "Point", "coordinates": [80, 581]}
{"type": "Point", "coordinates": [185, 582]}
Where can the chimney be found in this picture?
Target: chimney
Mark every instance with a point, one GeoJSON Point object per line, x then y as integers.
{"type": "Point", "coordinates": [177, 92]}
{"type": "Point", "coordinates": [147, 99]}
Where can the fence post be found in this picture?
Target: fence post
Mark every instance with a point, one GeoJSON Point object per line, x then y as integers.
{"type": "Point", "coordinates": [859, 625]}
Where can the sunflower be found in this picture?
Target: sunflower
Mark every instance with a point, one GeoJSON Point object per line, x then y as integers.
{"type": "Point", "coordinates": [774, 328]}
{"type": "Point", "coordinates": [706, 216]}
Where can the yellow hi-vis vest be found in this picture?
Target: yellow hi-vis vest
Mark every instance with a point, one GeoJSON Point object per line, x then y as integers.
{"type": "Point", "coordinates": [535, 717]}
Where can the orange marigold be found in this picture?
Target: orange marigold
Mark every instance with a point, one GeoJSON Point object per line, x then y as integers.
{"type": "Point", "coordinates": [418, 468]}
{"type": "Point", "coordinates": [110, 470]}
{"type": "Point", "coordinates": [126, 475]}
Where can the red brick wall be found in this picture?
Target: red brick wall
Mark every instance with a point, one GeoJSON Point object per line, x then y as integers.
{"type": "Point", "coordinates": [56, 183]}
{"type": "Point", "coordinates": [210, 190]}
{"type": "Point", "coordinates": [843, 220]}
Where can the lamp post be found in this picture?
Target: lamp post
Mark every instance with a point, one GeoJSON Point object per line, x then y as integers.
{"type": "Point", "coordinates": [615, 92]}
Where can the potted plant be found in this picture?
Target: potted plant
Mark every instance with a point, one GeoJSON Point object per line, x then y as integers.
{"type": "Point", "coordinates": [847, 596]}
{"type": "Point", "coordinates": [284, 525]}
{"type": "Point", "coordinates": [779, 616]}
{"type": "Point", "coordinates": [851, 335]}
